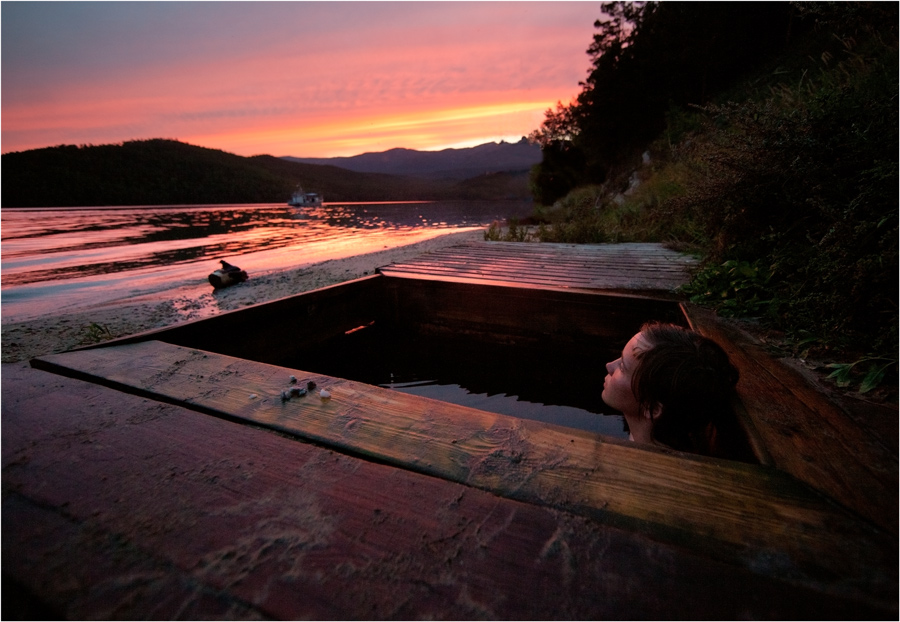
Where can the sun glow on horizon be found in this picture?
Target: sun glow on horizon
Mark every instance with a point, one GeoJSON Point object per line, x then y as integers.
{"type": "Point", "coordinates": [306, 79]}
{"type": "Point", "coordinates": [424, 130]}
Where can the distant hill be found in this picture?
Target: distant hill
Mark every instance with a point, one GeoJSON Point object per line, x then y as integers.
{"type": "Point", "coordinates": [168, 172]}
{"type": "Point", "coordinates": [446, 164]}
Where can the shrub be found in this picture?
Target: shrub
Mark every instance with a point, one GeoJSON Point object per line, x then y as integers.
{"type": "Point", "coordinates": [806, 183]}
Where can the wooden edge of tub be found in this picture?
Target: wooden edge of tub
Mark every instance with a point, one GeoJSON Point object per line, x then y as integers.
{"type": "Point", "coordinates": [734, 512]}
{"type": "Point", "coordinates": [803, 432]}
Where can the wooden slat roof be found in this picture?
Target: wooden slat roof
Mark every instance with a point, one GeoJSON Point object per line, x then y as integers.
{"type": "Point", "coordinates": [608, 267]}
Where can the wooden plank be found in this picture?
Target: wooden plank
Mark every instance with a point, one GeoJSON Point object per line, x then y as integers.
{"type": "Point", "coordinates": [558, 270]}
{"type": "Point", "coordinates": [637, 249]}
{"type": "Point", "coordinates": [808, 435]}
{"type": "Point", "coordinates": [517, 280]}
{"type": "Point", "coordinates": [270, 331]}
{"type": "Point", "coordinates": [594, 254]}
{"type": "Point", "coordinates": [600, 255]}
{"type": "Point", "coordinates": [118, 507]}
{"type": "Point", "coordinates": [549, 263]}
{"type": "Point", "coordinates": [561, 275]}
{"type": "Point", "coordinates": [599, 266]}
{"type": "Point", "coordinates": [738, 513]}
{"type": "Point", "coordinates": [592, 322]}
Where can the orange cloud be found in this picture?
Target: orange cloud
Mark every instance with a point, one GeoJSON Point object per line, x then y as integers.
{"type": "Point", "coordinates": [305, 79]}
{"type": "Point", "coordinates": [423, 129]}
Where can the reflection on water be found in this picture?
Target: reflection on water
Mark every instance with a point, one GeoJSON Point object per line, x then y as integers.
{"type": "Point", "coordinates": [89, 250]}
{"type": "Point", "coordinates": [42, 245]}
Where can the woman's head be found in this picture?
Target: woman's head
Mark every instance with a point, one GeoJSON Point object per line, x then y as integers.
{"type": "Point", "coordinates": [673, 385]}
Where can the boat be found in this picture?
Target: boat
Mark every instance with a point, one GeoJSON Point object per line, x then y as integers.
{"type": "Point", "coordinates": [305, 199]}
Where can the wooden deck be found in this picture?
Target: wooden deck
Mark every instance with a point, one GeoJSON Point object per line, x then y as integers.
{"type": "Point", "coordinates": [155, 477]}
{"type": "Point", "coordinates": [641, 268]}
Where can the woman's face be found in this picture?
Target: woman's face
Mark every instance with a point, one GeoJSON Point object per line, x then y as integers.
{"type": "Point", "coordinates": [617, 391]}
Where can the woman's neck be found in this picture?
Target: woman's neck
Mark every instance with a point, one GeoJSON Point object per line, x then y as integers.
{"type": "Point", "coordinates": [641, 428]}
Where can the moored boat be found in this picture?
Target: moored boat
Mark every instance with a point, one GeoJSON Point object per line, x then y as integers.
{"type": "Point", "coordinates": [305, 199]}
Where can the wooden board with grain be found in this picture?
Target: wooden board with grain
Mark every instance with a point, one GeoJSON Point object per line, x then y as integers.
{"type": "Point", "coordinates": [735, 513]}
{"type": "Point", "coordinates": [270, 331]}
{"type": "Point", "coordinates": [120, 507]}
{"type": "Point", "coordinates": [499, 312]}
{"type": "Point", "coordinates": [806, 434]}
{"type": "Point", "coordinates": [590, 267]}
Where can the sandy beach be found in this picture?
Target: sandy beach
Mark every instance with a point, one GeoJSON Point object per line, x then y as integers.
{"type": "Point", "coordinates": [60, 332]}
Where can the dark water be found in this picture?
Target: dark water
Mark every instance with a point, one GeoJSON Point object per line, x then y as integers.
{"type": "Point", "coordinates": [544, 384]}
{"type": "Point", "coordinates": [77, 256]}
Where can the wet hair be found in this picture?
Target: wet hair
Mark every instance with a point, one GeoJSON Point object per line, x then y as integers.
{"type": "Point", "coordinates": [689, 379]}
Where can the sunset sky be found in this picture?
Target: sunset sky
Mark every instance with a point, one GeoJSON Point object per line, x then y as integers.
{"type": "Point", "coordinates": [308, 79]}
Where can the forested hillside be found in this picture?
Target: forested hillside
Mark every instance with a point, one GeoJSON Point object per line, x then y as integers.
{"type": "Point", "coordinates": [489, 158]}
{"type": "Point", "coordinates": [168, 172]}
{"type": "Point", "coordinates": [762, 136]}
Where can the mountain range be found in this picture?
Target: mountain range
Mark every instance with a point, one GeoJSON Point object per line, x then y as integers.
{"type": "Point", "coordinates": [168, 172]}
{"type": "Point", "coordinates": [451, 164]}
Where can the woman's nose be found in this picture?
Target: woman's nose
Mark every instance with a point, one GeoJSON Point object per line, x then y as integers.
{"type": "Point", "coordinates": [611, 366]}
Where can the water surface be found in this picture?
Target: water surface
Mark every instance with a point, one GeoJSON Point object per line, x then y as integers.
{"type": "Point", "coordinates": [60, 258]}
{"type": "Point", "coordinates": [544, 383]}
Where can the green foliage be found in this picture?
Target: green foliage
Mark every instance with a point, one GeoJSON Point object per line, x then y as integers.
{"type": "Point", "coordinates": [786, 183]}
{"type": "Point", "coordinates": [590, 215]}
{"type": "Point", "coordinates": [561, 170]}
{"type": "Point", "coordinates": [734, 288]}
{"type": "Point", "coordinates": [871, 369]}
{"type": "Point", "coordinates": [575, 218]}
{"type": "Point", "coordinates": [647, 58]}
{"type": "Point", "coordinates": [806, 182]}
{"type": "Point", "coordinates": [95, 333]}
{"type": "Point", "coordinates": [515, 232]}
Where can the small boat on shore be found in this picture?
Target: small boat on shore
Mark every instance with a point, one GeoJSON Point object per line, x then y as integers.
{"type": "Point", "coordinates": [305, 199]}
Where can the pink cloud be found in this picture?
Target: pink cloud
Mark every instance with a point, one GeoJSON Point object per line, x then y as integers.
{"type": "Point", "coordinates": [278, 78]}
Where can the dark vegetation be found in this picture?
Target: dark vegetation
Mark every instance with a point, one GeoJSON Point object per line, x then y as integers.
{"type": "Point", "coordinates": [762, 137]}
{"type": "Point", "coordinates": [168, 172]}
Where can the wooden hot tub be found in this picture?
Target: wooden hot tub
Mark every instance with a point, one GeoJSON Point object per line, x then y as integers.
{"type": "Point", "coordinates": [803, 530]}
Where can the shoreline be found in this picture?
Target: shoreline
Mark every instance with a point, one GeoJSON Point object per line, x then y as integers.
{"type": "Point", "coordinates": [52, 333]}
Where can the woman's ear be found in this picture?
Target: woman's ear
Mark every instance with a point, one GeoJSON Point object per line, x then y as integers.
{"type": "Point", "coordinates": [653, 413]}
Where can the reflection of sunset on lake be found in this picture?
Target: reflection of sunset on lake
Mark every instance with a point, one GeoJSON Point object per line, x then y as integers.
{"type": "Point", "coordinates": [303, 79]}
{"type": "Point", "coordinates": [72, 256]}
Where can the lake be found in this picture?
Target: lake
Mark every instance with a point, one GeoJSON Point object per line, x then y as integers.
{"type": "Point", "coordinates": [61, 258]}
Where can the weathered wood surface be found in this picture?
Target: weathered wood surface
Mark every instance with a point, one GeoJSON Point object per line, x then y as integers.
{"type": "Point", "coordinates": [270, 331]}
{"type": "Point", "coordinates": [808, 435]}
{"type": "Point", "coordinates": [555, 317]}
{"type": "Point", "coordinates": [607, 267]}
{"type": "Point", "coordinates": [119, 507]}
{"type": "Point", "coordinates": [751, 516]}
